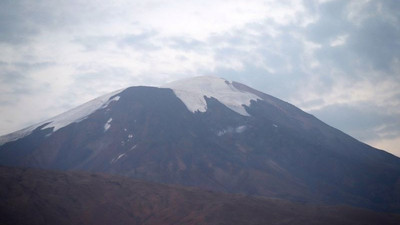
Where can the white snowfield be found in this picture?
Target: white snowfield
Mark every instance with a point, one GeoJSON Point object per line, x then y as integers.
{"type": "Point", "coordinates": [72, 116]}
{"type": "Point", "coordinates": [81, 112]}
{"type": "Point", "coordinates": [192, 92]}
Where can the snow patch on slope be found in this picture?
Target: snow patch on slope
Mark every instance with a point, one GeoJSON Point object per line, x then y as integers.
{"type": "Point", "coordinates": [116, 98]}
{"type": "Point", "coordinates": [80, 113]}
{"type": "Point", "coordinates": [17, 135]}
{"type": "Point", "coordinates": [107, 125]}
{"type": "Point", "coordinates": [122, 155]}
{"type": "Point", "coordinates": [192, 92]}
{"type": "Point", "coordinates": [72, 116]}
{"type": "Point", "coordinates": [118, 157]}
{"type": "Point", "coordinates": [228, 130]}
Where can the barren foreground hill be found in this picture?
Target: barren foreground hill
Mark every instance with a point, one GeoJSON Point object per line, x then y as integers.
{"type": "Point", "coordinates": [32, 196]}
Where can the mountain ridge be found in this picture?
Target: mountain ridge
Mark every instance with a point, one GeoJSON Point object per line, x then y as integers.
{"type": "Point", "coordinates": [277, 151]}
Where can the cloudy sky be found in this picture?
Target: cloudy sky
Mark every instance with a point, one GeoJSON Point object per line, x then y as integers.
{"type": "Point", "coordinates": [338, 60]}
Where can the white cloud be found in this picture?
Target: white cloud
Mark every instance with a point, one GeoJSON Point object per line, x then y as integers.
{"type": "Point", "coordinates": [339, 40]}
{"type": "Point", "coordinates": [387, 144]}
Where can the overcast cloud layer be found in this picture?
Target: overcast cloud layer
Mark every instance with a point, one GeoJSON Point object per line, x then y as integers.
{"type": "Point", "coordinates": [338, 60]}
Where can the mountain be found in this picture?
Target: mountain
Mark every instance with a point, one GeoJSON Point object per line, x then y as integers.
{"type": "Point", "coordinates": [213, 134]}
{"type": "Point", "coordinates": [31, 196]}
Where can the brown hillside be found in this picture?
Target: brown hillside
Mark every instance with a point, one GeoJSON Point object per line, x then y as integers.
{"type": "Point", "coordinates": [31, 196]}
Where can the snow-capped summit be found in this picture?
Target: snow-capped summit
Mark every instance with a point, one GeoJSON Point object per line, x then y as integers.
{"type": "Point", "coordinates": [192, 91]}
{"type": "Point", "coordinates": [152, 133]}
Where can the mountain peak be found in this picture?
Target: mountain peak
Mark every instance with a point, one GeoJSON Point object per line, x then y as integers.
{"type": "Point", "coordinates": [192, 92]}
{"type": "Point", "coordinates": [149, 133]}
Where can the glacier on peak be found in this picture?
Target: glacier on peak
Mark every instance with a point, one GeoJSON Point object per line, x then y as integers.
{"type": "Point", "coordinates": [192, 92]}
